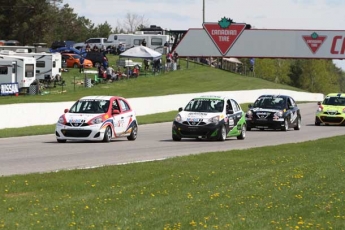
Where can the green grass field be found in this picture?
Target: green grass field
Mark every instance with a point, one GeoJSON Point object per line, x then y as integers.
{"type": "Point", "coordinates": [292, 186]}
{"type": "Point", "coordinates": [197, 78]}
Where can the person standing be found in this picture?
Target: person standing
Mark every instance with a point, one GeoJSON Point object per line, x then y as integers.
{"type": "Point", "coordinates": [143, 43]}
{"type": "Point", "coordinates": [81, 66]}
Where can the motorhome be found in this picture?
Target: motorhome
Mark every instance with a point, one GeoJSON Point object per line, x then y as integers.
{"type": "Point", "coordinates": [31, 49]}
{"type": "Point", "coordinates": [8, 83]}
{"type": "Point", "coordinates": [153, 41]}
{"type": "Point", "coordinates": [25, 71]}
{"type": "Point", "coordinates": [48, 65]}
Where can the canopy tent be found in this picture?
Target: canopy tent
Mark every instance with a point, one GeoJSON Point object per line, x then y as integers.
{"type": "Point", "coordinates": [141, 52]}
{"type": "Point", "coordinates": [232, 60]}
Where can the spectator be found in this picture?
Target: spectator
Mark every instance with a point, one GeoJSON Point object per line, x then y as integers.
{"type": "Point", "coordinates": [81, 66]}
{"type": "Point", "coordinates": [135, 72]}
{"type": "Point", "coordinates": [109, 72]}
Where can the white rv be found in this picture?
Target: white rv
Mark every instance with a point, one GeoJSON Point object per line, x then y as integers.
{"type": "Point", "coordinates": [8, 77]}
{"type": "Point", "coordinates": [48, 65]}
{"type": "Point", "coordinates": [153, 41]}
{"type": "Point", "coordinates": [25, 70]}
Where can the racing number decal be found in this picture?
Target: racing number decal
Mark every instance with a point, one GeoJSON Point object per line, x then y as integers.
{"type": "Point", "coordinates": [231, 122]}
{"type": "Point", "coordinates": [120, 123]}
{"type": "Point", "coordinates": [293, 116]}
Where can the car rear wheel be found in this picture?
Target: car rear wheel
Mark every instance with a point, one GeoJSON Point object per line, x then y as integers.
{"type": "Point", "coordinates": [107, 134]}
{"type": "Point", "coordinates": [222, 133]}
{"type": "Point", "coordinates": [286, 125]}
{"type": "Point", "coordinates": [176, 138]}
{"type": "Point", "coordinates": [242, 136]}
{"type": "Point", "coordinates": [134, 134]}
{"type": "Point", "coordinates": [298, 125]}
{"type": "Point", "coordinates": [317, 123]}
{"type": "Point", "coordinates": [61, 140]}
{"type": "Point", "coordinates": [75, 65]}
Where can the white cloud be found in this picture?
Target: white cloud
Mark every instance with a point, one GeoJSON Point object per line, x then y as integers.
{"type": "Point", "coordinates": [185, 14]}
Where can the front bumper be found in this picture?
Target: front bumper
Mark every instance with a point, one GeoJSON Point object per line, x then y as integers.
{"type": "Point", "coordinates": [330, 119]}
{"type": "Point", "coordinates": [203, 131]}
{"type": "Point", "coordinates": [265, 123]}
{"type": "Point", "coordinates": [91, 133]}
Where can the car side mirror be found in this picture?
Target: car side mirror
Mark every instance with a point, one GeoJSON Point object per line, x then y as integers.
{"type": "Point", "coordinates": [180, 109]}
{"type": "Point", "coordinates": [318, 103]}
{"type": "Point", "coordinates": [66, 111]}
{"type": "Point", "coordinates": [115, 111]}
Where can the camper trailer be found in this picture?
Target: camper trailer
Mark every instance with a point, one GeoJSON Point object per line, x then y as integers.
{"type": "Point", "coordinates": [8, 83]}
{"type": "Point", "coordinates": [153, 41]}
{"type": "Point", "coordinates": [48, 65]}
{"type": "Point", "coordinates": [25, 71]}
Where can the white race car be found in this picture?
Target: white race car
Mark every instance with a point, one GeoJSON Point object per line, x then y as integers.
{"type": "Point", "coordinates": [97, 118]}
{"type": "Point", "coordinates": [210, 117]}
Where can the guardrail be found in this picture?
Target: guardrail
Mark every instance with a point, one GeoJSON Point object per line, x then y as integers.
{"type": "Point", "coordinates": [31, 114]}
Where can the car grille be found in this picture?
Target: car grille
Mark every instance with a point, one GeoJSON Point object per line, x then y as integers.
{"type": "Point", "coordinates": [192, 123]}
{"type": "Point", "coordinates": [263, 115]}
{"type": "Point", "coordinates": [331, 113]}
{"type": "Point", "coordinates": [77, 124]}
{"type": "Point", "coordinates": [75, 133]}
{"type": "Point", "coordinates": [331, 119]}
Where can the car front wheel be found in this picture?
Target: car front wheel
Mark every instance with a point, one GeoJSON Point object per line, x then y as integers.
{"type": "Point", "coordinates": [107, 135]}
{"type": "Point", "coordinates": [176, 138]}
{"type": "Point", "coordinates": [222, 133]}
{"type": "Point", "coordinates": [61, 141]}
{"type": "Point", "coordinates": [286, 125]}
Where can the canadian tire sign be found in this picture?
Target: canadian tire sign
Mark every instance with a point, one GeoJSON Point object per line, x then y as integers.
{"type": "Point", "coordinates": [228, 39]}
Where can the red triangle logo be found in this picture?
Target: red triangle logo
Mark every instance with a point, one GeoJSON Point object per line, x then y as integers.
{"type": "Point", "coordinates": [224, 38]}
{"type": "Point", "coordinates": [314, 42]}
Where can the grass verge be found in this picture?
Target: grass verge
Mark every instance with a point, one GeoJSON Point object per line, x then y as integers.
{"type": "Point", "coordinates": [292, 186]}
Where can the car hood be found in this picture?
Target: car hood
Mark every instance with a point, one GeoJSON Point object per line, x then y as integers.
{"type": "Point", "coordinates": [198, 115]}
{"type": "Point", "coordinates": [265, 110]}
{"type": "Point", "coordinates": [80, 117]}
{"type": "Point", "coordinates": [333, 108]}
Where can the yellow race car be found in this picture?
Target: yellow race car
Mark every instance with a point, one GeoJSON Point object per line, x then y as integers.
{"type": "Point", "coordinates": [332, 110]}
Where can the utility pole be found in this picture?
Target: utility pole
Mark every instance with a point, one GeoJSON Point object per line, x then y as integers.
{"type": "Point", "coordinates": [203, 11]}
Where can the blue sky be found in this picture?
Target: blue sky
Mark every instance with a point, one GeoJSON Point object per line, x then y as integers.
{"type": "Point", "coordinates": [185, 14]}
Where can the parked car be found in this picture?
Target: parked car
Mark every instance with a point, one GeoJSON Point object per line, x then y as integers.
{"type": "Point", "coordinates": [274, 112]}
{"type": "Point", "coordinates": [210, 117]}
{"type": "Point", "coordinates": [97, 58]}
{"type": "Point", "coordinates": [97, 118]}
{"type": "Point", "coordinates": [72, 61]}
{"type": "Point", "coordinates": [331, 110]}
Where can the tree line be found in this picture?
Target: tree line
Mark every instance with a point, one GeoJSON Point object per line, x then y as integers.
{"type": "Point", "coordinates": [32, 21]}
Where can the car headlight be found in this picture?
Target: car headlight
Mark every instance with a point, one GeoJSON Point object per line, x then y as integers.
{"type": "Point", "coordinates": [96, 121]}
{"type": "Point", "coordinates": [61, 120]}
{"type": "Point", "coordinates": [178, 118]}
{"type": "Point", "coordinates": [214, 119]}
{"type": "Point", "coordinates": [279, 114]}
{"type": "Point", "coordinates": [249, 113]}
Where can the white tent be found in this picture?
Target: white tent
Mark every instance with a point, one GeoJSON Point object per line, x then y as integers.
{"type": "Point", "coordinates": [141, 52]}
{"type": "Point", "coordinates": [232, 60]}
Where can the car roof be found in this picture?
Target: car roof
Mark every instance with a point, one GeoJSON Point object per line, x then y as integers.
{"type": "Point", "coordinates": [211, 97]}
{"type": "Point", "coordinates": [274, 95]}
{"type": "Point", "coordinates": [100, 97]}
{"type": "Point", "coordinates": [335, 95]}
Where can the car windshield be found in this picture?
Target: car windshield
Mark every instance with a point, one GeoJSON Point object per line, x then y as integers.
{"type": "Point", "coordinates": [337, 101]}
{"type": "Point", "coordinates": [270, 102]}
{"type": "Point", "coordinates": [205, 105]}
{"type": "Point", "coordinates": [90, 106]}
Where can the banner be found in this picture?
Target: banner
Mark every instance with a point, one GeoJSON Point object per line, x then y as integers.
{"type": "Point", "coordinates": [9, 89]}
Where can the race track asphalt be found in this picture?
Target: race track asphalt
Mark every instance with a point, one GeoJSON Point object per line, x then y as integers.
{"type": "Point", "coordinates": [23, 155]}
